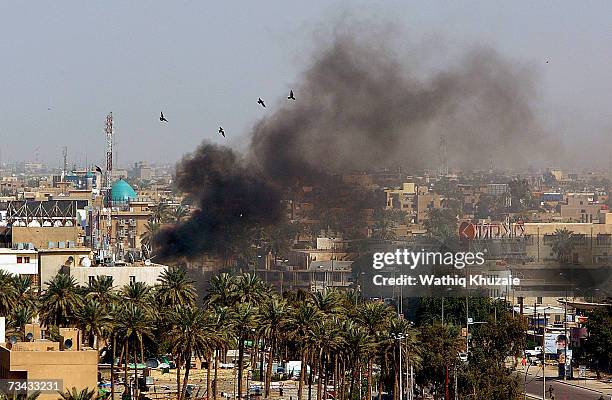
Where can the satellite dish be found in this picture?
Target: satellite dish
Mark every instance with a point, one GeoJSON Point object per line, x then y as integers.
{"type": "Point", "coordinates": [13, 339]}
{"type": "Point", "coordinates": [29, 336]}
{"type": "Point", "coordinates": [147, 262]}
{"type": "Point", "coordinates": [85, 262]}
{"type": "Point", "coordinates": [68, 343]}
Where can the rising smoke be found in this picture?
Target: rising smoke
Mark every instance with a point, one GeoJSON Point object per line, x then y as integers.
{"type": "Point", "coordinates": [359, 107]}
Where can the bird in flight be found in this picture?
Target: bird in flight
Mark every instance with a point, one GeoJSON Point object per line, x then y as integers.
{"type": "Point", "coordinates": [221, 131]}
{"type": "Point", "coordinates": [260, 101]}
{"type": "Point", "coordinates": [291, 97]}
{"type": "Point", "coordinates": [162, 118]}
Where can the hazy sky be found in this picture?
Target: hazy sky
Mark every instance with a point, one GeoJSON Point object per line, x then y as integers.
{"type": "Point", "coordinates": [205, 63]}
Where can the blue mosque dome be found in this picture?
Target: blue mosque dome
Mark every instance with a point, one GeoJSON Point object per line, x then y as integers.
{"type": "Point", "coordinates": [122, 192]}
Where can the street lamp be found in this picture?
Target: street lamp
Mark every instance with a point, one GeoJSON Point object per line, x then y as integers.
{"type": "Point", "coordinates": [399, 338]}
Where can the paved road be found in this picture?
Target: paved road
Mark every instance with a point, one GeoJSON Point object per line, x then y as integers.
{"type": "Point", "coordinates": [561, 391]}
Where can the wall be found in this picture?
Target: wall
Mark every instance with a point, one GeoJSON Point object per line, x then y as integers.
{"type": "Point", "coordinates": [121, 275]}
{"type": "Point", "coordinates": [75, 368]}
{"type": "Point", "coordinates": [41, 237]}
{"type": "Point", "coordinates": [52, 260]}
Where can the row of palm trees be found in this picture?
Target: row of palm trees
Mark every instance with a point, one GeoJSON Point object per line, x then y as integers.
{"type": "Point", "coordinates": [338, 336]}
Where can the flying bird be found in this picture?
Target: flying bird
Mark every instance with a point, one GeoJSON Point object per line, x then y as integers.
{"type": "Point", "coordinates": [221, 131]}
{"type": "Point", "coordinates": [291, 97]}
{"type": "Point", "coordinates": [162, 118]}
{"type": "Point", "coordinates": [260, 101]}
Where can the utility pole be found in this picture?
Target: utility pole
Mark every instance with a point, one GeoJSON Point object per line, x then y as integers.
{"type": "Point", "coordinates": [467, 324]}
{"type": "Point", "coordinates": [399, 338]}
{"type": "Point", "coordinates": [544, 357]}
{"type": "Point", "coordinates": [566, 338]}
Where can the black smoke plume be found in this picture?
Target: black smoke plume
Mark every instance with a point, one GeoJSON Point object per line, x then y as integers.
{"type": "Point", "coordinates": [230, 198]}
{"type": "Point", "coordinates": [361, 107]}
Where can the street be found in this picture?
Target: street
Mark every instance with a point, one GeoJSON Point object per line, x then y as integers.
{"type": "Point", "coordinates": [561, 391]}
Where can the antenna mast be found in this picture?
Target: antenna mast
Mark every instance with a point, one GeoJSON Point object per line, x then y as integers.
{"type": "Point", "coordinates": [109, 152]}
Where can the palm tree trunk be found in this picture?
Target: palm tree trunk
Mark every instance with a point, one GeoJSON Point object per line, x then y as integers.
{"type": "Point", "coordinates": [135, 373]}
{"type": "Point", "coordinates": [125, 366]}
{"type": "Point", "coordinates": [240, 365]}
{"type": "Point", "coordinates": [215, 386]}
{"type": "Point", "coordinates": [261, 354]}
{"type": "Point", "coordinates": [370, 378]}
{"type": "Point", "coordinates": [302, 375]}
{"type": "Point", "coordinates": [319, 369]}
{"type": "Point", "coordinates": [186, 379]}
{"type": "Point", "coordinates": [178, 376]}
{"type": "Point", "coordinates": [352, 385]}
{"type": "Point", "coordinates": [336, 375]}
{"type": "Point", "coordinates": [269, 366]}
{"type": "Point", "coordinates": [112, 375]}
{"type": "Point", "coordinates": [208, 365]}
{"type": "Point", "coordinates": [310, 376]}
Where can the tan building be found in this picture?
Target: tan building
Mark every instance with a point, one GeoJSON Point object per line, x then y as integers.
{"type": "Point", "coordinates": [48, 236]}
{"type": "Point", "coordinates": [51, 261]}
{"type": "Point", "coordinates": [46, 361]}
{"type": "Point", "coordinates": [581, 207]}
{"type": "Point", "coordinates": [122, 274]}
{"type": "Point", "coordinates": [128, 223]}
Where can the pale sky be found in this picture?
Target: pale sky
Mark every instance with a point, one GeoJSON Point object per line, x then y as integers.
{"type": "Point", "coordinates": [205, 63]}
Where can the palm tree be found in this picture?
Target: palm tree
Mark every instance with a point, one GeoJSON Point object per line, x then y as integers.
{"type": "Point", "coordinates": [18, 319]}
{"type": "Point", "coordinates": [222, 290]}
{"type": "Point", "coordinates": [139, 294]}
{"type": "Point", "coordinates": [93, 320]}
{"type": "Point", "coordinates": [60, 301]}
{"type": "Point", "coordinates": [563, 244]}
{"type": "Point", "coordinates": [101, 289]}
{"type": "Point", "coordinates": [305, 317]}
{"type": "Point", "coordinates": [246, 319]}
{"type": "Point", "coordinates": [151, 230]}
{"type": "Point", "coordinates": [275, 314]}
{"type": "Point", "coordinates": [25, 294]}
{"type": "Point", "coordinates": [179, 213]}
{"type": "Point", "coordinates": [250, 289]}
{"type": "Point", "coordinates": [133, 325]}
{"type": "Point", "coordinates": [375, 318]}
{"type": "Point", "coordinates": [175, 288]}
{"type": "Point", "coordinates": [224, 325]}
{"type": "Point", "coordinates": [74, 394]}
{"type": "Point", "coordinates": [192, 333]}
{"type": "Point", "coordinates": [161, 211]}
{"type": "Point", "coordinates": [8, 293]}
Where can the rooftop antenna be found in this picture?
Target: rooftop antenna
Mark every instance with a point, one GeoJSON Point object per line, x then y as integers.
{"type": "Point", "coordinates": [109, 131]}
{"type": "Point", "coordinates": [443, 156]}
{"type": "Point", "coordinates": [65, 166]}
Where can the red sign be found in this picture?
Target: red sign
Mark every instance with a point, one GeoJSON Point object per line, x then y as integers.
{"type": "Point", "coordinates": [467, 230]}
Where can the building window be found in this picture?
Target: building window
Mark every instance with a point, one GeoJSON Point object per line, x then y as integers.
{"type": "Point", "coordinates": [91, 280]}
{"type": "Point", "coordinates": [539, 300]}
{"type": "Point", "coordinates": [19, 260]}
{"type": "Point", "coordinates": [26, 260]}
{"type": "Point", "coordinates": [132, 279]}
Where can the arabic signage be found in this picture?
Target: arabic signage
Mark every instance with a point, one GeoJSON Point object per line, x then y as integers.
{"type": "Point", "coordinates": [491, 230]}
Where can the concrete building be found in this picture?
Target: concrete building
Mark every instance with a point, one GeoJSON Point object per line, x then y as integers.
{"type": "Point", "coordinates": [581, 207]}
{"type": "Point", "coordinates": [20, 262]}
{"type": "Point", "coordinates": [52, 260]}
{"type": "Point", "coordinates": [122, 275]}
{"type": "Point", "coordinates": [49, 361]}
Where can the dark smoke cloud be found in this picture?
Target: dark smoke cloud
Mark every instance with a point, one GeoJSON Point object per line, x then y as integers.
{"type": "Point", "coordinates": [360, 107]}
{"type": "Point", "coordinates": [230, 197]}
